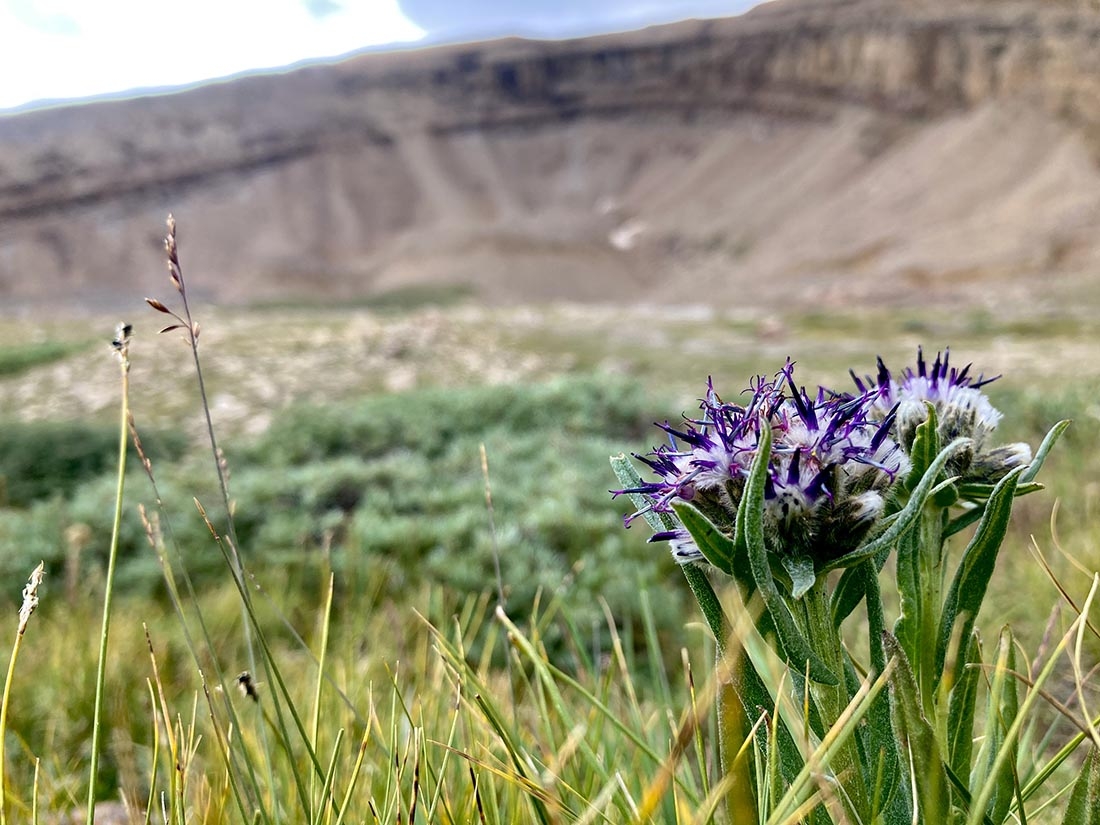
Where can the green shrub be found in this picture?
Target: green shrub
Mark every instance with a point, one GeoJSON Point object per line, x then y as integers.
{"type": "Point", "coordinates": [30, 536]}
{"type": "Point", "coordinates": [39, 460]}
{"type": "Point", "coordinates": [427, 421]}
{"type": "Point", "coordinates": [17, 359]}
{"type": "Point", "coordinates": [416, 296]}
{"type": "Point", "coordinates": [399, 478]}
{"type": "Point", "coordinates": [388, 482]}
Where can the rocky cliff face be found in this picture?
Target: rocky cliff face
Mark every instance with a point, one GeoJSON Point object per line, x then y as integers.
{"type": "Point", "coordinates": [810, 150]}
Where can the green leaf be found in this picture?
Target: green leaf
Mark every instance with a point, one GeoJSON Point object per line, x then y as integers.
{"type": "Point", "coordinates": [848, 592]}
{"type": "Point", "coordinates": [716, 546]}
{"type": "Point", "coordinates": [1001, 708]}
{"type": "Point", "coordinates": [883, 757]}
{"type": "Point", "coordinates": [851, 588]}
{"type": "Point", "coordinates": [629, 478]}
{"type": "Point", "coordinates": [907, 571]}
{"type": "Point", "coordinates": [794, 645]}
{"type": "Point", "coordinates": [967, 592]}
{"type": "Point", "coordinates": [980, 491]}
{"type": "Point", "coordinates": [917, 742]}
{"type": "Point", "coordinates": [1084, 802]}
{"type": "Point", "coordinates": [749, 688]}
{"type": "Point", "coordinates": [945, 494]}
{"type": "Point", "coordinates": [1044, 449]}
{"type": "Point", "coordinates": [968, 517]}
{"type": "Point", "coordinates": [801, 571]}
{"type": "Point", "coordinates": [964, 520]}
{"type": "Point", "coordinates": [926, 446]}
{"type": "Point", "coordinates": [961, 708]}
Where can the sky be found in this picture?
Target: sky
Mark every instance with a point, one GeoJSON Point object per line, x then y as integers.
{"type": "Point", "coordinates": [60, 49]}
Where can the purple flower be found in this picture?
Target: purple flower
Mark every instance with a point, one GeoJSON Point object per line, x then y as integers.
{"type": "Point", "coordinates": [831, 466]}
{"type": "Point", "coordinates": [962, 410]}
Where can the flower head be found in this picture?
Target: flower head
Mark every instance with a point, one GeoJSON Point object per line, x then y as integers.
{"type": "Point", "coordinates": [962, 410]}
{"type": "Point", "coordinates": [831, 465]}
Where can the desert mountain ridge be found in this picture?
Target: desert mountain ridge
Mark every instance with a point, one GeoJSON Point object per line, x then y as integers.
{"type": "Point", "coordinates": [810, 152]}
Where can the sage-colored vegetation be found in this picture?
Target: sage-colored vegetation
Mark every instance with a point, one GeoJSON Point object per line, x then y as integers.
{"type": "Point", "coordinates": [20, 357]}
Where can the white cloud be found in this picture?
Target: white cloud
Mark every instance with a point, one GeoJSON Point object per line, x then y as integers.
{"type": "Point", "coordinates": [75, 48]}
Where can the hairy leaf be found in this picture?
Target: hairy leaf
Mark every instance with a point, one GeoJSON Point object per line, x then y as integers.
{"type": "Point", "coordinates": [795, 646]}
{"type": "Point", "coordinates": [918, 746]}
{"type": "Point", "coordinates": [967, 592]}
{"type": "Point", "coordinates": [1084, 802]}
{"type": "Point", "coordinates": [715, 545]}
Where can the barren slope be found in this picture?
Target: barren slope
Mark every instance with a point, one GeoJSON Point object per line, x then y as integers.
{"type": "Point", "coordinates": [813, 151]}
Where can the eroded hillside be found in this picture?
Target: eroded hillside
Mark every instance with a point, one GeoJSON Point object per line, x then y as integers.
{"type": "Point", "coordinates": [814, 151]}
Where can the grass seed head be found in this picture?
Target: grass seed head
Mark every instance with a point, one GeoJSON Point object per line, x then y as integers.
{"type": "Point", "coordinates": [30, 596]}
{"type": "Point", "coordinates": [121, 342]}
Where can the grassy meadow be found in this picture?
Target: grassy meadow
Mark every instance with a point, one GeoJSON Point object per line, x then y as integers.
{"type": "Point", "coordinates": [441, 614]}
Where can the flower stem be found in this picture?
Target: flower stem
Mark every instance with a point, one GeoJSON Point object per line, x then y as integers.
{"type": "Point", "coordinates": [101, 668]}
{"type": "Point", "coordinates": [930, 595]}
{"type": "Point", "coordinates": [710, 605]}
{"type": "Point", "coordinates": [831, 700]}
{"type": "Point", "coordinates": [740, 804]}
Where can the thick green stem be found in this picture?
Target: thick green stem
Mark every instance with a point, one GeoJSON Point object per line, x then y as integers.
{"type": "Point", "coordinates": [831, 700]}
{"type": "Point", "coordinates": [101, 668]}
{"type": "Point", "coordinates": [732, 727]}
{"type": "Point", "coordinates": [710, 605]}
{"type": "Point", "coordinates": [930, 595]}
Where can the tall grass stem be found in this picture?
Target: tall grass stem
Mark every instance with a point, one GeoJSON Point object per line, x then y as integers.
{"type": "Point", "coordinates": [30, 602]}
{"type": "Point", "coordinates": [122, 346]}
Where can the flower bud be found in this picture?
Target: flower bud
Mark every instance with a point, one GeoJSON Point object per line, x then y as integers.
{"type": "Point", "coordinates": [910, 415]}
{"type": "Point", "coordinates": [993, 465]}
{"type": "Point", "coordinates": [962, 411]}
